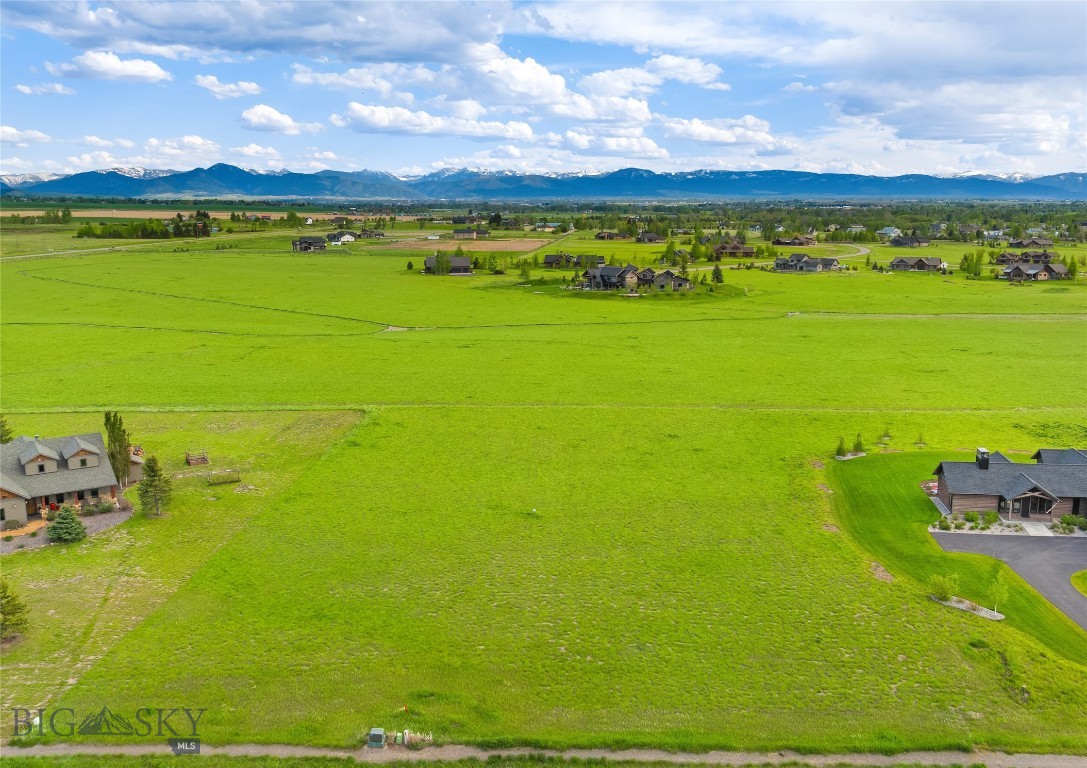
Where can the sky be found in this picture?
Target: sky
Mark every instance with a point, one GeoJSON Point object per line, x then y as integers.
{"type": "Point", "coordinates": [410, 88]}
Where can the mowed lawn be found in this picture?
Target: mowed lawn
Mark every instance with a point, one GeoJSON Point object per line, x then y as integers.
{"type": "Point", "coordinates": [558, 519]}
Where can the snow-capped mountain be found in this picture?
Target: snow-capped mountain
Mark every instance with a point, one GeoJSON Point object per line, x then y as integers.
{"type": "Point", "coordinates": [16, 180]}
{"type": "Point", "coordinates": [138, 172]}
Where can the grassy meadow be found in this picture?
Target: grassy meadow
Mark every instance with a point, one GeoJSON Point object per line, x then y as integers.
{"type": "Point", "coordinates": [537, 516]}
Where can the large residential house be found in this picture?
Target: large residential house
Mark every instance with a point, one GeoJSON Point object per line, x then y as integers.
{"type": "Point", "coordinates": [584, 261]}
{"type": "Point", "coordinates": [909, 242]}
{"type": "Point", "coordinates": [670, 281]}
{"type": "Point", "coordinates": [649, 237]}
{"type": "Point", "coordinates": [606, 235]}
{"type": "Point", "coordinates": [888, 232]}
{"type": "Point", "coordinates": [796, 242]}
{"type": "Point", "coordinates": [307, 244]}
{"type": "Point", "coordinates": [338, 238]}
{"type": "Point", "coordinates": [802, 262]}
{"type": "Point", "coordinates": [1025, 271]}
{"type": "Point", "coordinates": [1053, 486]}
{"type": "Point", "coordinates": [37, 474]}
{"type": "Point", "coordinates": [917, 264]}
{"type": "Point", "coordinates": [733, 250]}
{"type": "Point", "coordinates": [1031, 242]}
{"type": "Point", "coordinates": [555, 260]}
{"type": "Point", "coordinates": [458, 265]}
{"type": "Point", "coordinates": [610, 278]}
{"type": "Point", "coordinates": [464, 234]}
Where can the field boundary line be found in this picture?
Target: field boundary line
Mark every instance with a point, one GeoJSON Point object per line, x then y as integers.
{"type": "Point", "coordinates": [456, 752]}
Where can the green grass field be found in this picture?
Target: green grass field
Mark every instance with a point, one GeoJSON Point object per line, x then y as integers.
{"type": "Point", "coordinates": [539, 516]}
{"type": "Point", "coordinates": [1079, 581]}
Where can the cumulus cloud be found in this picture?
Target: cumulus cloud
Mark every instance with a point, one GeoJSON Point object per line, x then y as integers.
{"type": "Point", "coordinates": [257, 151]}
{"type": "Point", "coordinates": [265, 118]}
{"type": "Point", "coordinates": [106, 65]}
{"type": "Point", "coordinates": [227, 90]}
{"type": "Point", "coordinates": [745, 130]}
{"type": "Point", "coordinates": [379, 119]}
{"type": "Point", "coordinates": [90, 160]}
{"type": "Point", "coordinates": [53, 88]}
{"type": "Point", "coordinates": [10, 135]}
{"type": "Point", "coordinates": [631, 145]}
{"type": "Point", "coordinates": [798, 87]}
{"type": "Point", "coordinates": [186, 151]}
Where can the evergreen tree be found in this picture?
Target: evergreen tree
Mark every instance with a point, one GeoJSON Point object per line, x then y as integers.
{"type": "Point", "coordinates": [525, 274]}
{"type": "Point", "coordinates": [410, 266]}
{"type": "Point", "coordinates": [840, 450]}
{"type": "Point", "coordinates": [718, 275]}
{"type": "Point", "coordinates": [117, 445]}
{"type": "Point", "coordinates": [13, 619]}
{"type": "Point", "coordinates": [67, 527]}
{"type": "Point", "coordinates": [1073, 268]}
{"type": "Point", "coordinates": [6, 435]}
{"type": "Point", "coordinates": [155, 490]}
{"type": "Point", "coordinates": [858, 444]}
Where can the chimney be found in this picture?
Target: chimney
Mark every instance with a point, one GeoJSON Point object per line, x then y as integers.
{"type": "Point", "coordinates": [982, 458]}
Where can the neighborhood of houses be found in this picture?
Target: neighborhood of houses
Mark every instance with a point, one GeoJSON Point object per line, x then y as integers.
{"type": "Point", "coordinates": [39, 474]}
{"type": "Point", "coordinates": [1055, 485]}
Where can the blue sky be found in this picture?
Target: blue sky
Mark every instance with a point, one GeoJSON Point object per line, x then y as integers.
{"type": "Point", "coordinates": [411, 87]}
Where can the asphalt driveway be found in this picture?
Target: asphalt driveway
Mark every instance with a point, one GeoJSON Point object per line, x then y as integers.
{"type": "Point", "coordinates": [1046, 563]}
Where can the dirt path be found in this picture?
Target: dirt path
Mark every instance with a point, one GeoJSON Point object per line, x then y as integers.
{"type": "Point", "coordinates": [457, 752]}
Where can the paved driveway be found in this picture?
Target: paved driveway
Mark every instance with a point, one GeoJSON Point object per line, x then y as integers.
{"type": "Point", "coordinates": [1046, 563]}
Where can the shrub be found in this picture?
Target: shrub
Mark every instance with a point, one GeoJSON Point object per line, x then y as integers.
{"type": "Point", "coordinates": [410, 266]}
{"type": "Point", "coordinates": [33, 534]}
{"type": "Point", "coordinates": [1074, 521]}
{"type": "Point", "coordinates": [991, 517]}
{"type": "Point", "coordinates": [840, 451]}
{"type": "Point", "coordinates": [971, 517]}
{"type": "Point", "coordinates": [858, 444]}
{"type": "Point", "coordinates": [67, 528]}
{"type": "Point", "coordinates": [944, 525]}
{"type": "Point", "coordinates": [9, 538]}
{"type": "Point", "coordinates": [944, 587]}
{"type": "Point", "coordinates": [50, 515]}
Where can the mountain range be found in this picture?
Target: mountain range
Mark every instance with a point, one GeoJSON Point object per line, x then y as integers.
{"type": "Point", "coordinates": [228, 181]}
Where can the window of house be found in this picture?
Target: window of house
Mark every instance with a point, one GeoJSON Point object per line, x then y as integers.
{"type": "Point", "coordinates": [41, 467]}
{"type": "Point", "coordinates": [82, 462]}
{"type": "Point", "coordinates": [3, 514]}
{"type": "Point", "coordinates": [79, 495]}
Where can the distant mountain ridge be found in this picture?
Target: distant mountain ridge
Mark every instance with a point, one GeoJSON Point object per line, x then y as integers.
{"type": "Point", "coordinates": [229, 181]}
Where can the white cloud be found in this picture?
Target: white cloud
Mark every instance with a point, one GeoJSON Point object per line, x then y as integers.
{"type": "Point", "coordinates": [257, 151]}
{"type": "Point", "coordinates": [745, 130]}
{"type": "Point", "coordinates": [185, 151]}
{"type": "Point", "coordinates": [53, 88]}
{"type": "Point", "coordinates": [94, 141]}
{"type": "Point", "coordinates": [798, 87]}
{"type": "Point", "coordinates": [10, 135]}
{"type": "Point", "coordinates": [632, 145]}
{"type": "Point", "coordinates": [93, 160]}
{"type": "Point", "coordinates": [227, 90]}
{"type": "Point", "coordinates": [265, 118]}
{"type": "Point", "coordinates": [106, 65]}
{"type": "Point", "coordinates": [378, 119]}
{"type": "Point", "coordinates": [688, 70]}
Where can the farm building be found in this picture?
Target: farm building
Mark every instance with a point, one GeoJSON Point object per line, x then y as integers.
{"type": "Point", "coordinates": [306, 244]}
{"type": "Point", "coordinates": [458, 265]}
{"type": "Point", "coordinates": [917, 264]}
{"type": "Point", "coordinates": [1055, 485]}
{"type": "Point", "coordinates": [38, 473]}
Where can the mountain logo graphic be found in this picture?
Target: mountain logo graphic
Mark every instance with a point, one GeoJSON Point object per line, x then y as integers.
{"type": "Point", "coordinates": [105, 723]}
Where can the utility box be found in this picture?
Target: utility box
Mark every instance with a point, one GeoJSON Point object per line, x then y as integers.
{"type": "Point", "coordinates": [376, 739]}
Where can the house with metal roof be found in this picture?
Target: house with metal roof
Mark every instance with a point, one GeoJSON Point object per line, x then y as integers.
{"type": "Point", "coordinates": [1055, 485]}
{"type": "Point", "coordinates": [37, 474]}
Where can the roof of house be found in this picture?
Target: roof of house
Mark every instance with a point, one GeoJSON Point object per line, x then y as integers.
{"type": "Point", "coordinates": [1060, 456]}
{"type": "Point", "coordinates": [1009, 479]}
{"type": "Point", "coordinates": [13, 476]}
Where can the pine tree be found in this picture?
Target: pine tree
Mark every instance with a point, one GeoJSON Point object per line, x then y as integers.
{"type": "Point", "coordinates": [6, 435]}
{"type": "Point", "coordinates": [858, 444]}
{"type": "Point", "coordinates": [67, 527]}
{"type": "Point", "coordinates": [840, 451]}
{"type": "Point", "coordinates": [155, 490]}
{"type": "Point", "coordinates": [13, 619]}
{"type": "Point", "coordinates": [718, 275]}
{"type": "Point", "coordinates": [410, 266]}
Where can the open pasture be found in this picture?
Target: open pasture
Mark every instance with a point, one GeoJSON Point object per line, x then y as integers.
{"type": "Point", "coordinates": [542, 516]}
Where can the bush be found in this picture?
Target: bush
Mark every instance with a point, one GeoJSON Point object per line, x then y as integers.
{"type": "Point", "coordinates": [9, 538]}
{"type": "Point", "coordinates": [841, 447]}
{"type": "Point", "coordinates": [1074, 521]}
{"type": "Point", "coordinates": [67, 528]}
{"type": "Point", "coordinates": [960, 524]}
{"type": "Point", "coordinates": [50, 515]}
{"type": "Point", "coordinates": [943, 525]}
{"type": "Point", "coordinates": [944, 587]}
{"type": "Point", "coordinates": [991, 517]}
{"type": "Point", "coordinates": [971, 517]}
